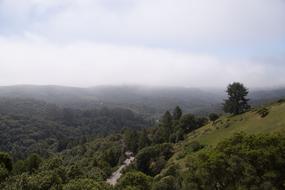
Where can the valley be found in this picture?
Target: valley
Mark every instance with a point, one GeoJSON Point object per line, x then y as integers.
{"type": "Point", "coordinates": [48, 146]}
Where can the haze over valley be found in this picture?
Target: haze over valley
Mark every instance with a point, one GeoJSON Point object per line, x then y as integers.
{"type": "Point", "coordinates": [142, 95]}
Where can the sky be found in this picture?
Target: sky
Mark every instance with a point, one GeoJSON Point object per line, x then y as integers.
{"type": "Point", "coordinates": [191, 43]}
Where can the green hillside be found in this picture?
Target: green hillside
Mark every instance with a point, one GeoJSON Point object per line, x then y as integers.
{"type": "Point", "coordinates": [263, 120]}
{"type": "Point", "coordinates": [251, 122]}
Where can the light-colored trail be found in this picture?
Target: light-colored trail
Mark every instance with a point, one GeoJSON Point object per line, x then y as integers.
{"type": "Point", "coordinates": [118, 173]}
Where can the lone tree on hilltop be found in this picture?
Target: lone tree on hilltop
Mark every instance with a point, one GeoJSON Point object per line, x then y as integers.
{"type": "Point", "coordinates": [237, 102]}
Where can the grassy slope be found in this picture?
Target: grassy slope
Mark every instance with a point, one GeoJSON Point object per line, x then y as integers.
{"type": "Point", "coordinates": [250, 123]}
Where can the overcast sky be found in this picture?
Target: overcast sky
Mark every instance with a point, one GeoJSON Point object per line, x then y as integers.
{"type": "Point", "coordinates": [194, 43]}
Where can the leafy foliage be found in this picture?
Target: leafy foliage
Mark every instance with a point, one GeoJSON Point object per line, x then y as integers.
{"type": "Point", "coordinates": [237, 102]}
{"type": "Point", "coordinates": [6, 161]}
{"type": "Point", "coordinates": [135, 180]}
{"type": "Point", "coordinates": [29, 126]}
{"type": "Point", "coordinates": [151, 160]}
{"type": "Point", "coordinates": [241, 162]}
{"type": "Point", "coordinates": [213, 117]}
{"type": "Point", "coordinates": [85, 184]}
{"type": "Point", "coordinates": [263, 112]}
{"type": "Point", "coordinates": [177, 113]}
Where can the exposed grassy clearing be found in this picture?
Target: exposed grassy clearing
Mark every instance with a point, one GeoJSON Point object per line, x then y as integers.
{"type": "Point", "coordinates": [267, 119]}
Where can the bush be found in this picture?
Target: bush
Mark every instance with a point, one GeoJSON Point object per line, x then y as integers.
{"type": "Point", "coordinates": [194, 146]}
{"type": "Point", "coordinates": [263, 112]}
{"type": "Point", "coordinates": [135, 180]}
{"type": "Point", "coordinates": [3, 173]}
{"type": "Point", "coordinates": [241, 162]}
{"type": "Point", "coordinates": [166, 183]}
{"type": "Point", "coordinates": [85, 184]}
{"type": "Point", "coordinates": [189, 122]}
{"type": "Point", "coordinates": [213, 117]}
{"type": "Point", "coordinates": [33, 163]}
{"type": "Point", "coordinates": [151, 160]}
{"type": "Point", "coordinates": [6, 161]}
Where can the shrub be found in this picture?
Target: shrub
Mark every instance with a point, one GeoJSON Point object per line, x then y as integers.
{"type": "Point", "coordinates": [166, 183]}
{"type": "Point", "coordinates": [6, 160]}
{"type": "Point", "coordinates": [85, 184]}
{"type": "Point", "coordinates": [151, 160]}
{"type": "Point", "coordinates": [241, 162]}
{"type": "Point", "coordinates": [135, 180]}
{"type": "Point", "coordinates": [195, 146]}
{"type": "Point", "coordinates": [213, 117]}
{"type": "Point", "coordinates": [263, 112]}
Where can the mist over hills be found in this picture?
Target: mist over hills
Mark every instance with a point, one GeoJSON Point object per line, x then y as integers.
{"type": "Point", "coordinates": [140, 99]}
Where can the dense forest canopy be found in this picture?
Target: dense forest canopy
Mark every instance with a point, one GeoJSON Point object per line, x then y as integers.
{"type": "Point", "coordinates": [46, 146]}
{"type": "Point", "coordinates": [30, 126]}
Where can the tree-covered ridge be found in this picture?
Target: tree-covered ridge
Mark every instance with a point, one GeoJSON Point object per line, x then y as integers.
{"type": "Point", "coordinates": [180, 151]}
{"type": "Point", "coordinates": [29, 126]}
{"type": "Point", "coordinates": [95, 160]}
{"type": "Point", "coordinates": [150, 101]}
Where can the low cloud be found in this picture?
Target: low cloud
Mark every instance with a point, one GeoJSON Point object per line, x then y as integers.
{"type": "Point", "coordinates": [90, 64]}
{"type": "Point", "coordinates": [201, 43]}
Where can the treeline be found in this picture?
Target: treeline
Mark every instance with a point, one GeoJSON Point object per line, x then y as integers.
{"type": "Point", "coordinates": [171, 128]}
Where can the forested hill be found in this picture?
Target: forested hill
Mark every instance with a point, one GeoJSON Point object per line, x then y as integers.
{"type": "Point", "coordinates": [244, 151]}
{"type": "Point", "coordinates": [148, 101]}
{"type": "Point", "coordinates": [32, 126]}
{"type": "Point", "coordinates": [181, 152]}
{"type": "Point", "coordinates": [47, 146]}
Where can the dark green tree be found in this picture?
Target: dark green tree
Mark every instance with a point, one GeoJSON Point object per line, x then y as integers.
{"type": "Point", "coordinates": [33, 163]}
{"type": "Point", "coordinates": [166, 127]}
{"type": "Point", "coordinates": [152, 159]}
{"type": "Point", "coordinates": [166, 120]}
{"type": "Point", "coordinates": [188, 123]}
{"type": "Point", "coordinates": [5, 165]}
{"type": "Point", "coordinates": [4, 173]}
{"type": "Point", "coordinates": [143, 139]}
{"type": "Point", "coordinates": [166, 183]}
{"type": "Point", "coordinates": [6, 160]}
{"type": "Point", "coordinates": [213, 117]}
{"type": "Point", "coordinates": [237, 102]}
{"type": "Point", "coordinates": [131, 139]}
{"type": "Point", "coordinates": [112, 155]}
{"type": "Point", "coordinates": [177, 113]}
{"type": "Point", "coordinates": [135, 180]}
{"type": "Point", "coordinates": [74, 172]}
{"type": "Point", "coordinates": [19, 167]}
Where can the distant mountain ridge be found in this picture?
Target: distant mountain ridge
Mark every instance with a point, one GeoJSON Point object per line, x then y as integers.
{"type": "Point", "coordinates": [141, 99]}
